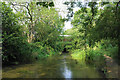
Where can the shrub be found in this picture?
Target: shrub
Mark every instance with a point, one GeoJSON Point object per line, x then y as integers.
{"type": "Point", "coordinates": [78, 54]}
{"type": "Point", "coordinates": [41, 51]}
{"type": "Point", "coordinates": [16, 49]}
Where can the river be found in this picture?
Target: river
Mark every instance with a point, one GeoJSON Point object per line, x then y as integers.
{"type": "Point", "coordinates": [52, 67]}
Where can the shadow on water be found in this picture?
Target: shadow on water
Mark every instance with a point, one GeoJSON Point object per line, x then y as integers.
{"type": "Point", "coordinates": [53, 67]}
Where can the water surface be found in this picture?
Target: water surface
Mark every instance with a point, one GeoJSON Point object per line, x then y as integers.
{"type": "Point", "coordinates": [53, 67]}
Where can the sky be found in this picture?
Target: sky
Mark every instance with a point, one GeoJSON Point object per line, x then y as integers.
{"type": "Point", "coordinates": [68, 24]}
{"type": "Point", "coordinates": [62, 9]}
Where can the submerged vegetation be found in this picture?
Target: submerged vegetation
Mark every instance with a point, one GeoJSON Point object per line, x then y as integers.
{"type": "Point", "coordinates": [31, 31]}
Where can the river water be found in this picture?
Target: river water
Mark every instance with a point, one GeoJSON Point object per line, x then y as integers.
{"type": "Point", "coordinates": [53, 67]}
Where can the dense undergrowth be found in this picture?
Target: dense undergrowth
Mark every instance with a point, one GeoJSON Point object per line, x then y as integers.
{"type": "Point", "coordinates": [95, 54]}
{"type": "Point", "coordinates": [24, 39]}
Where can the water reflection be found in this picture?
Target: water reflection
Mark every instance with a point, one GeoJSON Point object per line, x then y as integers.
{"type": "Point", "coordinates": [52, 67]}
{"type": "Point", "coordinates": [67, 73]}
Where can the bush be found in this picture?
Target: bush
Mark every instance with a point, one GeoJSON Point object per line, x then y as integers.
{"type": "Point", "coordinates": [16, 49]}
{"type": "Point", "coordinates": [41, 51]}
{"type": "Point", "coordinates": [95, 54]}
{"type": "Point", "coordinates": [78, 54]}
{"type": "Point", "coordinates": [89, 55]}
{"type": "Point", "coordinates": [59, 46]}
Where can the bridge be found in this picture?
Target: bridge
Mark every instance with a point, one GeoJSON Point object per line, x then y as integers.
{"type": "Point", "coordinates": [66, 42]}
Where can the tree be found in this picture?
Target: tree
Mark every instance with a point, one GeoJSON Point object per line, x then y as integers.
{"type": "Point", "coordinates": [14, 44]}
{"type": "Point", "coordinates": [49, 27]}
{"type": "Point", "coordinates": [107, 26]}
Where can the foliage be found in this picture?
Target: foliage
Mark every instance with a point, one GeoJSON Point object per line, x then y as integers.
{"type": "Point", "coordinates": [110, 21]}
{"type": "Point", "coordinates": [78, 54]}
{"type": "Point", "coordinates": [40, 52]}
{"type": "Point", "coordinates": [30, 33]}
{"type": "Point", "coordinates": [45, 4]}
{"type": "Point", "coordinates": [49, 27]}
{"type": "Point", "coordinates": [15, 46]}
{"type": "Point", "coordinates": [95, 31]}
{"type": "Point", "coordinates": [95, 55]}
{"type": "Point", "coordinates": [33, 31]}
